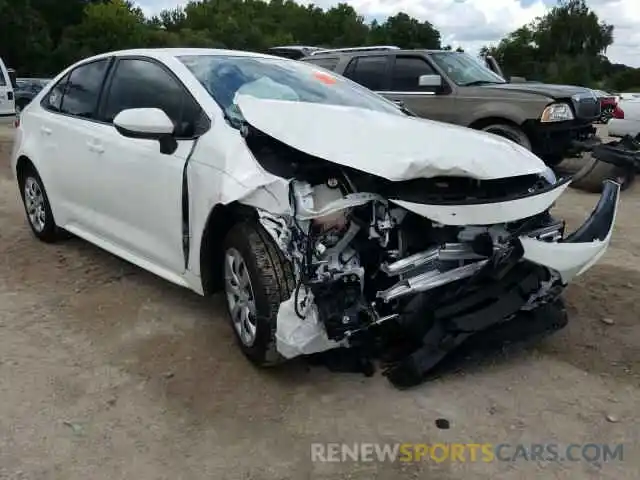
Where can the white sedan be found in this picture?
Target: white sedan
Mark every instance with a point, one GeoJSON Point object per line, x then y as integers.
{"type": "Point", "coordinates": [328, 216]}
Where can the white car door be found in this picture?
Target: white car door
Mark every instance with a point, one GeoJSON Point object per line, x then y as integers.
{"type": "Point", "coordinates": [137, 190]}
{"type": "Point", "coordinates": [7, 99]}
{"type": "Point", "coordinates": [67, 125]}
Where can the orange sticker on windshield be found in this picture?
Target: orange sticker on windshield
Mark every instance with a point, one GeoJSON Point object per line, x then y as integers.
{"type": "Point", "coordinates": [324, 78]}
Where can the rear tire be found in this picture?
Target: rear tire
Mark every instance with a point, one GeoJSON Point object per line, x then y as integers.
{"type": "Point", "coordinates": [510, 132]}
{"type": "Point", "coordinates": [37, 207]}
{"type": "Point", "coordinates": [253, 311]}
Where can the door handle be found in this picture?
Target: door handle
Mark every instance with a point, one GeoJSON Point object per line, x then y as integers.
{"type": "Point", "coordinates": [45, 130]}
{"type": "Point", "coordinates": [95, 147]}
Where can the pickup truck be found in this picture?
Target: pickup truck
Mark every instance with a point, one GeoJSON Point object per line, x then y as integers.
{"type": "Point", "coordinates": [553, 121]}
{"type": "Point", "coordinates": [7, 100]}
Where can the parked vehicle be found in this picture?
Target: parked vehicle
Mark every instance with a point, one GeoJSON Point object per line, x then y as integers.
{"type": "Point", "coordinates": [554, 121]}
{"type": "Point", "coordinates": [629, 96]}
{"type": "Point", "coordinates": [331, 219]}
{"type": "Point", "coordinates": [7, 100]}
{"type": "Point", "coordinates": [294, 52]}
{"type": "Point", "coordinates": [609, 106]}
{"type": "Point", "coordinates": [631, 107]}
{"type": "Point", "coordinates": [27, 89]}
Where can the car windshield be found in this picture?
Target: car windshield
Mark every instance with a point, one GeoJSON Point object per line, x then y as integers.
{"type": "Point", "coordinates": [465, 70]}
{"type": "Point", "coordinates": [225, 77]}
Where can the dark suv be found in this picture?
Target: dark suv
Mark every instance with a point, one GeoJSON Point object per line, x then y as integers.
{"type": "Point", "coordinates": [554, 121]}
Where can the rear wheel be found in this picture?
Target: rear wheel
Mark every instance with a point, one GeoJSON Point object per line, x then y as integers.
{"type": "Point", "coordinates": [37, 206]}
{"type": "Point", "coordinates": [510, 132]}
{"type": "Point", "coordinates": [257, 278]}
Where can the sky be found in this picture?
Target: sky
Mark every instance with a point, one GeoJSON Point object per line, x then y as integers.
{"type": "Point", "coordinates": [474, 23]}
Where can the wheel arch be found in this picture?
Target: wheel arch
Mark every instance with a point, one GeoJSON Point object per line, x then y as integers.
{"type": "Point", "coordinates": [483, 122]}
{"type": "Point", "coordinates": [23, 164]}
{"type": "Point", "coordinates": [220, 220]}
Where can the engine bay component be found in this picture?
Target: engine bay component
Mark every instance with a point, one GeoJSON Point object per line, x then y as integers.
{"type": "Point", "coordinates": [363, 264]}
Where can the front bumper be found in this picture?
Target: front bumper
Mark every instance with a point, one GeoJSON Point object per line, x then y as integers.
{"type": "Point", "coordinates": [526, 291]}
{"type": "Point", "coordinates": [561, 140]}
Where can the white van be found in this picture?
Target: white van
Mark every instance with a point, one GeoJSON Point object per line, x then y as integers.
{"type": "Point", "coordinates": [7, 96]}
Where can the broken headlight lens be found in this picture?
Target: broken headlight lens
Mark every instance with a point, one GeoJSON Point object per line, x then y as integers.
{"type": "Point", "coordinates": [557, 112]}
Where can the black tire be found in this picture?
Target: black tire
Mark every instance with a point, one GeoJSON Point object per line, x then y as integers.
{"type": "Point", "coordinates": [49, 233]}
{"type": "Point", "coordinates": [595, 172]}
{"type": "Point", "coordinates": [271, 281]}
{"type": "Point", "coordinates": [510, 132]}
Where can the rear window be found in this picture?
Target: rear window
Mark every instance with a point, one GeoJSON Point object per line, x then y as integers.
{"type": "Point", "coordinates": [3, 81]}
{"type": "Point", "coordinates": [368, 71]}
{"type": "Point", "coordinates": [330, 63]}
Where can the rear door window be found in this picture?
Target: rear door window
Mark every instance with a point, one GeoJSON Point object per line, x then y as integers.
{"type": "Point", "coordinates": [53, 100]}
{"type": "Point", "coordinates": [369, 71]}
{"type": "Point", "coordinates": [406, 71]}
{"type": "Point", "coordinates": [83, 89]}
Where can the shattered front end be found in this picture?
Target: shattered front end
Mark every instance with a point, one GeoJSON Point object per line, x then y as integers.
{"type": "Point", "coordinates": [400, 276]}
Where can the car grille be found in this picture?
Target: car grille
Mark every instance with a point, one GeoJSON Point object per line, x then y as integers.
{"type": "Point", "coordinates": [587, 107]}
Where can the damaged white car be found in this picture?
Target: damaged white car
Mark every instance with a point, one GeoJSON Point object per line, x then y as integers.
{"type": "Point", "coordinates": [332, 219]}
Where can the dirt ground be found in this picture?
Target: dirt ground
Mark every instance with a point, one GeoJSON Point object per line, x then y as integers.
{"type": "Point", "coordinates": [108, 372]}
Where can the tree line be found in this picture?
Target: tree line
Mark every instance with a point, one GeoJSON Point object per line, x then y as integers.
{"type": "Point", "coordinates": [40, 37]}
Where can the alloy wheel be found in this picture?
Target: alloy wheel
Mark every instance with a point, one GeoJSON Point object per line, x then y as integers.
{"type": "Point", "coordinates": [240, 298]}
{"type": "Point", "coordinates": [35, 204]}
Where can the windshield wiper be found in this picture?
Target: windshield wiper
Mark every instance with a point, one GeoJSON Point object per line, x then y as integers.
{"type": "Point", "coordinates": [480, 82]}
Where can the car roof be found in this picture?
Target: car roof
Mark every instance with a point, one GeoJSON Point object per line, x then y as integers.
{"type": "Point", "coordinates": [168, 53]}
{"type": "Point", "coordinates": [362, 53]}
{"type": "Point", "coordinates": [296, 47]}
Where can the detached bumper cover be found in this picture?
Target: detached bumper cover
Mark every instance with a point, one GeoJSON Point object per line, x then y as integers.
{"type": "Point", "coordinates": [580, 250]}
{"type": "Point", "coordinates": [622, 153]}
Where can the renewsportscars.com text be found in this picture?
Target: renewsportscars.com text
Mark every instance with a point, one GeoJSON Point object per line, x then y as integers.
{"type": "Point", "coordinates": [466, 452]}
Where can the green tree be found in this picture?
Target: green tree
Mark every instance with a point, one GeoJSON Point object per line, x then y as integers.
{"type": "Point", "coordinates": [26, 42]}
{"type": "Point", "coordinates": [405, 32]}
{"type": "Point", "coordinates": [113, 25]}
{"type": "Point", "coordinates": [566, 45]}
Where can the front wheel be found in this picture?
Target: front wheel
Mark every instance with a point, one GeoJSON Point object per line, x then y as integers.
{"type": "Point", "coordinates": [257, 278]}
{"type": "Point", "coordinates": [510, 132]}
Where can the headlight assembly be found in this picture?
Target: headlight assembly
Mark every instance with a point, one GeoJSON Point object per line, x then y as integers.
{"type": "Point", "coordinates": [557, 112]}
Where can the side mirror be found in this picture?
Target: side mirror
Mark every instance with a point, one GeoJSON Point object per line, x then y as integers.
{"type": "Point", "coordinates": [430, 81]}
{"type": "Point", "coordinates": [147, 124]}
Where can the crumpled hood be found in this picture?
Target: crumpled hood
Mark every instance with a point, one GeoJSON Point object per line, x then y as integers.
{"type": "Point", "coordinates": [395, 147]}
